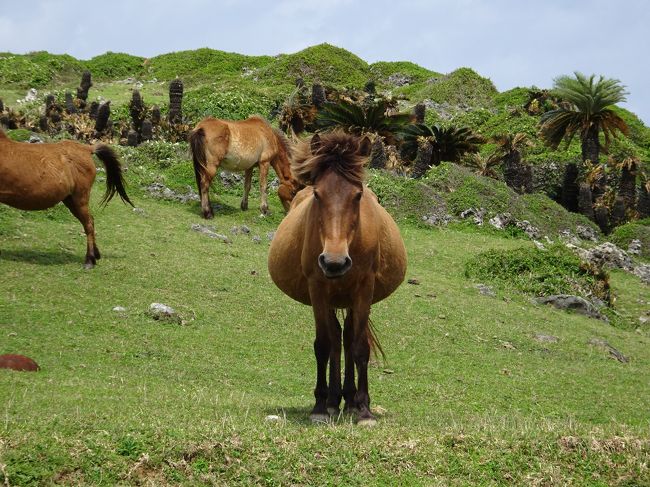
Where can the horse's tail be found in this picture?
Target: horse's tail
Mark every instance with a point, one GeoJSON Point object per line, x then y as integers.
{"type": "Point", "coordinates": [114, 180]}
{"type": "Point", "coordinates": [373, 341]}
{"type": "Point", "coordinates": [197, 145]}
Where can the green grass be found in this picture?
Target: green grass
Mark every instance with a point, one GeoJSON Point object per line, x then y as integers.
{"type": "Point", "coordinates": [124, 399]}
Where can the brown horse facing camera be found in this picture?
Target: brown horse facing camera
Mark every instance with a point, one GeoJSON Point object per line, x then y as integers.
{"type": "Point", "coordinates": [239, 146]}
{"type": "Point", "coordinates": [38, 176]}
{"type": "Point", "coordinates": [337, 248]}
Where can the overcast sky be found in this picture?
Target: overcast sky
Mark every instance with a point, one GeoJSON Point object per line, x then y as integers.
{"type": "Point", "coordinates": [512, 42]}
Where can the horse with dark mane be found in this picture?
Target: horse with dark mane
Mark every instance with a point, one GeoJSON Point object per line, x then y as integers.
{"type": "Point", "coordinates": [239, 146]}
{"type": "Point", "coordinates": [337, 248]}
{"type": "Point", "coordinates": [38, 176]}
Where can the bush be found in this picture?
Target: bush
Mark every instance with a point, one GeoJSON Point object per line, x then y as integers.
{"type": "Point", "coordinates": [540, 272]}
{"type": "Point", "coordinates": [231, 105]}
{"type": "Point", "coordinates": [638, 230]}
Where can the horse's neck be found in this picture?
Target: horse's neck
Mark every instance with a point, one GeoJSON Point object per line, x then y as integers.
{"type": "Point", "coordinates": [3, 135]}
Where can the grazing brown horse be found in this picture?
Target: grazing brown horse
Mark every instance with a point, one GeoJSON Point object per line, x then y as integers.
{"type": "Point", "coordinates": [240, 146]}
{"type": "Point", "coordinates": [38, 176]}
{"type": "Point", "coordinates": [337, 248]}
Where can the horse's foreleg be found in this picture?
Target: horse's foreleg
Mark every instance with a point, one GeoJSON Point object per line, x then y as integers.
{"type": "Point", "coordinates": [349, 385]}
{"type": "Point", "coordinates": [264, 172]}
{"type": "Point", "coordinates": [361, 352]}
{"type": "Point", "coordinates": [248, 177]}
{"type": "Point", "coordinates": [322, 346]}
{"type": "Point", "coordinates": [79, 208]}
{"type": "Point", "coordinates": [334, 390]}
{"type": "Point", "coordinates": [206, 180]}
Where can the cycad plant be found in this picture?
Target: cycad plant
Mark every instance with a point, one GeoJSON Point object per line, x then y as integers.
{"type": "Point", "coordinates": [357, 119]}
{"type": "Point", "coordinates": [447, 143]}
{"type": "Point", "coordinates": [585, 112]}
{"type": "Point", "coordinates": [516, 174]}
{"type": "Point", "coordinates": [483, 165]}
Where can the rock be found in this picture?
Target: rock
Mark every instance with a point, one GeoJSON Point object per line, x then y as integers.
{"type": "Point", "coordinates": [477, 215]}
{"type": "Point", "coordinates": [35, 139]}
{"type": "Point", "coordinates": [569, 238]}
{"type": "Point", "coordinates": [635, 247]}
{"type": "Point", "coordinates": [539, 245]}
{"type": "Point", "coordinates": [574, 303]}
{"type": "Point", "coordinates": [414, 281]}
{"type": "Point", "coordinates": [485, 290]}
{"type": "Point", "coordinates": [609, 255]}
{"type": "Point", "coordinates": [270, 236]}
{"type": "Point", "coordinates": [272, 418]}
{"type": "Point", "coordinates": [501, 220]}
{"type": "Point", "coordinates": [541, 337]}
{"type": "Point", "coordinates": [210, 231]}
{"type": "Point", "coordinates": [230, 179]}
{"type": "Point", "coordinates": [234, 230]}
{"type": "Point", "coordinates": [586, 233]}
{"type": "Point", "coordinates": [399, 79]}
{"type": "Point", "coordinates": [18, 362]}
{"type": "Point", "coordinates": [162, 312]}
{"type": "Point", "coordinates": [159, 190]}
{"type": "Point", "coordinates": [257, 239]}
{"type": "Point", "coordinates": [244, 229]}
{"type": "Point", "coordinates": [435, 220]}
{"type": "Point", "coordinates": [119, 309]}
{"type": "Point", "coordinates": [597, 342]}
{"type": "Point", "coordinates": [139, 211]}
{"type": "Point", "coordinates": [643, 272]}
{"type": "Point", "coordinates": [530, 230]}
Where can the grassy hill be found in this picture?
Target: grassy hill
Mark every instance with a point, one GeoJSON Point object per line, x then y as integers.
{"type": "Point", "coordinates": [469, 392]}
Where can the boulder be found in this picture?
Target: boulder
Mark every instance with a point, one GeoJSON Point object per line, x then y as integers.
{"type": "Point", "coordinates": [574, 303]}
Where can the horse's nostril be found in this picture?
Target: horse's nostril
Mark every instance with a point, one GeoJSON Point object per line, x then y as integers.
{"type": "Point", "coordinates": [348, 262]}
{"type": "Point", "coordinates": [321, 261]}
{"type": "Point", "coordinates": [334, 265]}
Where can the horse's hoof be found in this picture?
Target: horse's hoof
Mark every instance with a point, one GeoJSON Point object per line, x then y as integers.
{"type": "Point", "coordinates": [89, 265]}
{"type": "Point", "coordinates": [367, 422]}
{"type": "Point", "coordinates": [333, 411]}
{"type": "Point", "coordinates": [319, 418]}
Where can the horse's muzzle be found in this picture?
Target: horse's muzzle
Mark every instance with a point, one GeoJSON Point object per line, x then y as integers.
{"type": "Point", "coordinates": [334, 266]}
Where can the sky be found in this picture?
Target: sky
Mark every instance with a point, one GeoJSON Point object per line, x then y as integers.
{"type": "Point", "coordinates": [512, 42]}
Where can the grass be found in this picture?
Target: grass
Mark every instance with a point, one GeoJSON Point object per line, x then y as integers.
{"type": "Point", "coordinates": [467, 395]}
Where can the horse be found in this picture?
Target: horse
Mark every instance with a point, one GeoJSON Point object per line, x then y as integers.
{"type": "Point", "coordinates": [239, 146]}
{"type": "Point", "coordinates": [338, 248]}
{"type": "Point", "coordinates": [38, 176]}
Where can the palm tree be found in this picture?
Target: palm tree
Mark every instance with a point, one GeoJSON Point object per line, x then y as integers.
{"type": "Point", "coordinates": [448, 143]}
{"type": "Point", "coordinates": [357, 119]}
{"type": "Point", "coordinates": [584, 112]}
{"type": "Point", "coordinates": [510, 147]}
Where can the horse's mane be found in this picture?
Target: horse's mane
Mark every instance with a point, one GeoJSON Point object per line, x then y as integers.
{"type": "Point", "coordinates": [336, 151]}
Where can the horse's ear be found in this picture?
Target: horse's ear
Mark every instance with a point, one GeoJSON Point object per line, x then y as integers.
{"type": "Point", "coordinates": [364, 146]}
{"type": "Point", "coordinates": [315, 143]}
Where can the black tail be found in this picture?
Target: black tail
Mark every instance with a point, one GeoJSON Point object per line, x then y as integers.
{"type": "Point", "coordinates": [197, 145]}
{"type": "Point", "coordinates": [114, 181]}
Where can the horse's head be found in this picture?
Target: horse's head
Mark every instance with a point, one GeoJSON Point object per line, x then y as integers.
{"type": "Point", "coordinates": [335, 171]}
{"type": "Point", "coordinates": [287, 192]}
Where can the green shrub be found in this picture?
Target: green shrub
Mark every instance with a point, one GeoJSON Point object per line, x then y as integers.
{"type": "Point", "coordinates": [115, 65]}
{"type": "Point", "coordinates": [539, 272]}
{"type": "Point", "coordinates": [638, 230]}
{"type": "Point", "coordinates": [230, 105]}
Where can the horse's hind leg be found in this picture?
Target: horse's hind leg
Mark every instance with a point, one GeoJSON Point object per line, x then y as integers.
{"type": "Point", "coordinates": [79, 208]}
{"type": "Point", "coordinates": [248, 177]}
{"type": "Point", "coordinates": [264, 172]}
{"type": "Point", "coordinates": [204, 189]}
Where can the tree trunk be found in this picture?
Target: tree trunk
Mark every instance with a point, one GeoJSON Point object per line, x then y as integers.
{"type": "Point", "coordinates": [423, 159]}
{"type": "Point", "coordinates": [618, 212]}
{"type": "Point", "coordinates": [86, 83]}
{"type": "Point", "coordinates": [137, 110]}
{"type": "Point", "coordinates": [175, 101]}
{"type": "Point", "coordinates": [69, 103]}
{"type": "Point", "coordinates": [378, 154]}
{"type": "Point", "coordinates": [591, 152]}
{"type": "Point", "coordinates": [318, 96]}
{"type": "Point", "coordinates": [643, 203]}
{"type": "Point", "coordinates": [103, 114]}
{"type": "Point", "coordinates": [627, 186]}
{"type": "Point", "coordinates": [147, 129]}
{"type": "Point", "coordinates": [419, 112]}
{"type": "Point", "coordinates": [585, 201]}
{"type": "Point", "coordinates": [601, 216]}
{"type": "Point", "coordinates": [570, 188]}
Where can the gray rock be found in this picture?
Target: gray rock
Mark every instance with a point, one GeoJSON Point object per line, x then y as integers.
{"type": "Point", "coordinates": [139, 211]}
{"type": "Point", "coordinates": [574, 303]}
{"type": "Point", "coordinates": [643, 272]}
{"type": "Point", "coordinates": [635, 247]}
{"type": "Point", "coordinates": [543, 338]}
{"type": "Point", "coordinates": [230, 179]}
{"type": "Point", "coordinates": [597, 342]}
{"type": "Point", "coordinates": [436, 220]}
{"type": "Point", "coordinates": [270, 236]}
{"type": "Point", "coordinates": [119, 309]}
{"type": "Point", "coordinates": [485, 290]}
{"type": "Point", "coordinates": [244, 229]}
{"type": "Point", "coordinates": [501, 220]}
{"type": "Point", "coordinates": [586, 233]}
{"type": "Point", "coordinates": [399, 79]}
{"type": "Point", "coordinates": [609, 255]}
{"type": "Point", "coordinates": [210, 231]}
{"type": "Point", "coordinates": [257, 239]}
{"type": "Point", "coordinates": [539, 245]}
{"type": "Point", "coordinates": [569, 238]}
{"type": "Point", "coordinates": [159, 190]}
{"type": "Point", "coordinates": [35, 139]}
{"type": "Point", "coordinates": [477, 214]}
{"type": "Point", "coordinates": [530, 230]}
{"type": "Point", "coordinates": [234, 230]}
{"type": "Point", "coordinates": [162, 312]}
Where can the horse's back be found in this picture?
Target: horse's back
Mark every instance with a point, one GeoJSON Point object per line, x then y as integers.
{"type": "Point", "coordinates": [38, 176]}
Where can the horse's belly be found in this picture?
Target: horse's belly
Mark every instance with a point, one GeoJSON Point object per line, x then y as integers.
{"type": "Point", "coordinates": [240, 157]}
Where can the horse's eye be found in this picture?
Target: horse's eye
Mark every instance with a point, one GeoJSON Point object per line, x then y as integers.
{"type": "Point", "coordinates": [316, 196]}
{"type": "Point", "coordinates": [357, 197]}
